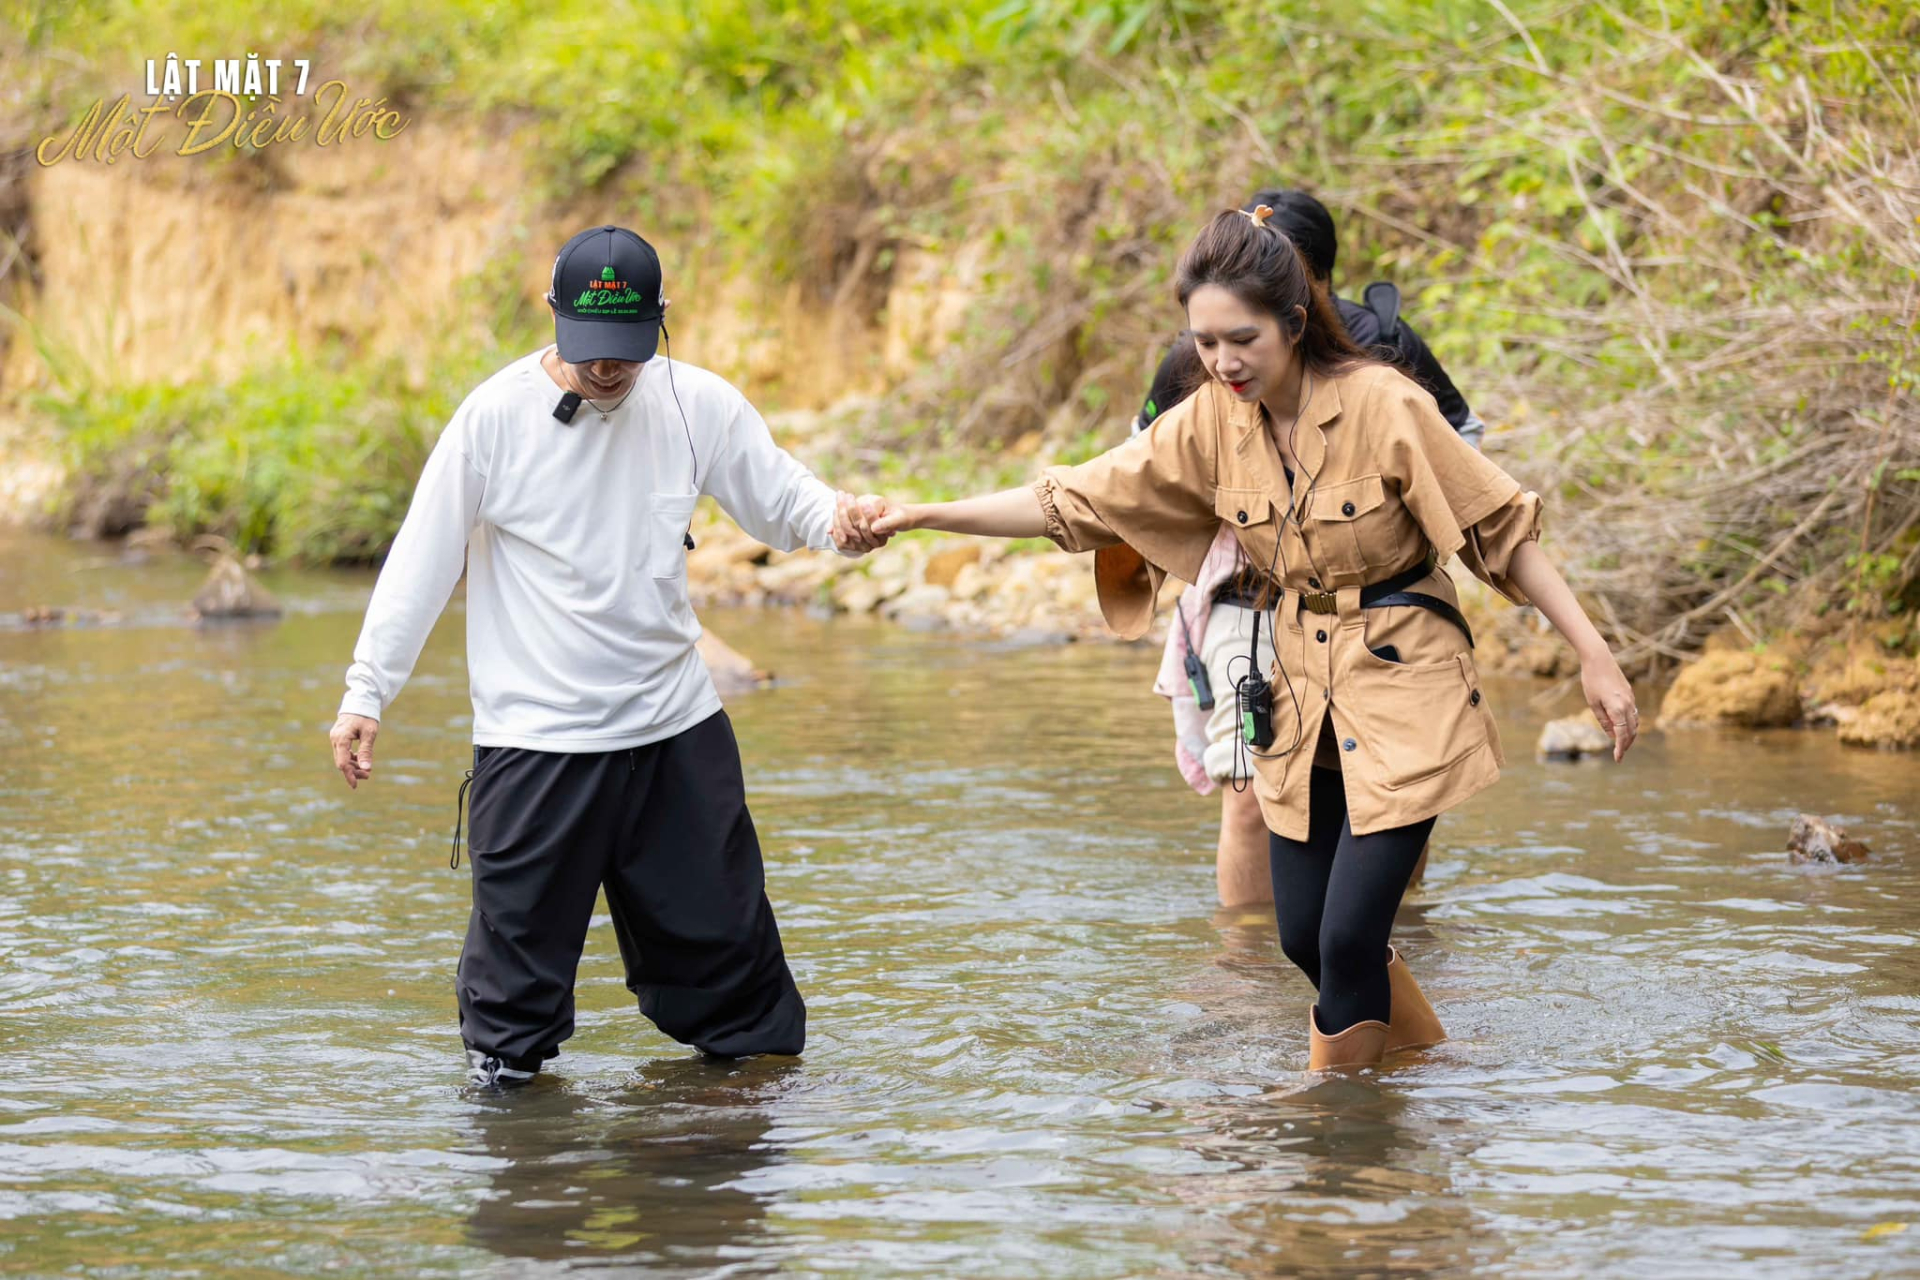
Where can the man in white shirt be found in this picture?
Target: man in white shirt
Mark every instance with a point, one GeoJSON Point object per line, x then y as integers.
{"type": "Point", "coordinates": [564, 486]}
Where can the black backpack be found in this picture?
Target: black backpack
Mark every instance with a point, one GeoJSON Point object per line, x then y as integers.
{"type": "Point", "coordinates": [1383, 299]}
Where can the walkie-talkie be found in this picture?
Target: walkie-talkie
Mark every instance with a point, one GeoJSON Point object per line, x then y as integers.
{"type": "Point", "coordinates": [1198, 682]}
{"type": "Point", "coordinates": [1196, 669]}
{"type": "Point", "coordinates": [1256, 710]}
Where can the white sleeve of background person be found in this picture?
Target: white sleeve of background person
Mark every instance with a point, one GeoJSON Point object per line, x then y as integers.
{"type": "Point", "coordinates": [766, 489]}
{"type": "Point", "coordinates": [419, 576]}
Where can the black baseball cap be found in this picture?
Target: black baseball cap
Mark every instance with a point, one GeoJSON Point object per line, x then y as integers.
{"type": "Point", "coordinates": [607, 297]}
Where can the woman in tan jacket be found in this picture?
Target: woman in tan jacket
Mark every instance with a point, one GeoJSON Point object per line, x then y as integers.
{"type": "Point", "coordinates": [1348, 491]}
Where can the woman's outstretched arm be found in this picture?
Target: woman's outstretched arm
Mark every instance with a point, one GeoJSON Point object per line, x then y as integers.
{"type": "Point", "coordinates": [1608, 693]}
{"type": "Point", "coordinates": [1011, 513]}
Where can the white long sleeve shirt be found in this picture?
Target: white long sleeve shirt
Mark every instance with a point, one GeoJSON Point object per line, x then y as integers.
{"type": "Point", "coordinates": [580, 636]}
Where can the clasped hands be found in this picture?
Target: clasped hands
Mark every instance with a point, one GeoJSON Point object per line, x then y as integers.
{"type": "Point", "coordinates": [866, 523]}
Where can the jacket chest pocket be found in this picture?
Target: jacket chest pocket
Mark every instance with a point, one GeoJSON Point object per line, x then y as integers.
{"type": "Point", "coordinates": [667, 533]}
{"type": "Point", "coordinates": [1351, 527]}
{"type": "Point", "coordinates": [1249, 513]}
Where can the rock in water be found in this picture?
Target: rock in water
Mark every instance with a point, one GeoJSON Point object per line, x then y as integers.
{"type": "Point", "coordinates": [231, 592]}
{"type": "Point", "coordinates": [1571, 737]}
{"type": "Point", "coordinates": [1817, 840]}
{"type": "Point", "coordinates": [1746, 690]}
{"type": "Point", "coordinates": [1889, 720]}
{"type": "Point", "coordinates": [733, 672]}
{"type": "Point", "coordinates": [944, 565]}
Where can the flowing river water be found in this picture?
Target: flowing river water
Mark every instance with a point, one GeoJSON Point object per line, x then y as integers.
{"type": "Point", "coordinates": [1037, 1048]}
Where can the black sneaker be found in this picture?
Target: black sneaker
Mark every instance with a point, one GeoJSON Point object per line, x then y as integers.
{"type": "Point", "coordinates": [487, 1071]}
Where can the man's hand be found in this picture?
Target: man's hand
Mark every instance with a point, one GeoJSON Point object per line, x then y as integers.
{"type": "Point", "coordinates": [352, 738]}
{"type": "Point", "coordinates": [852, 528]}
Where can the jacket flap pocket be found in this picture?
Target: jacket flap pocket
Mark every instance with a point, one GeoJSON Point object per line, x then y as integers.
{"type": "Point", "coordinates": [1348, 500]}
{"type": "Point", "coordinates": [1242, 507]}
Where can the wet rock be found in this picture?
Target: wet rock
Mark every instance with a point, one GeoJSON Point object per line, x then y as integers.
{"type": "Point", "coordinates": [891, 575]}
{"type": "Point", "coordinates": [1815, 840]}
{"type": "Point", "coordinates": [231, 592]}
{"type": "Point", "coordinates": [718, 545]}
{"type": "Point", "coordinates": [1571, 737]}
{"type": "Point", "coordinates": [1831, 713]}
{"type": "Point", "coordinates": [112, 508]}
{"type": "Point", "coordinates": [971, 583]}
{"type": "Point", "coordinates": [1747, 690]}
{"type": "Point", "coordinates": [1031, 637]}
{"type": "Point", "coordinates": [857, 594]}
{"type": "Point", "coordinates": [946, 564]}
{"type": "Point", "coordinates": [150, 538]}
{"type": "Point", "coordinates": [798, 577]}
{"type": "Point", "coordinates": [1869, 689]}
{"type": "Point", "coordinates": [733, 672]}
{"type": "Point", "coordinates": [1889, 720]}
{"type": "Point", "coordinates": [920, 604]}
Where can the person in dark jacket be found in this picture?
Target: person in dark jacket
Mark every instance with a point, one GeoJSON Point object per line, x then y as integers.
{"type": "Point", "coordinates": [1375, 325]}
{"type": "Point", "coordinates": [1215, 619]}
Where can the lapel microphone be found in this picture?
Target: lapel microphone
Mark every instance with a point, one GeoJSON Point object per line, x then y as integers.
{"type": "Point", "coordinates": [564, 411]}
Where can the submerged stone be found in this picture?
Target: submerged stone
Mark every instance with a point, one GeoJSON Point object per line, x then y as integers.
{"type": "Point", "coordinates": [1571, 737]}
{"type": "Point", "coordinates": [231, 592]}
{"type": "Point", "coordinates": [1815, 840]}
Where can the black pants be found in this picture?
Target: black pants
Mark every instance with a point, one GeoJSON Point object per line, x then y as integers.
{"type": "Point", "coordinates": [1334, 898]}
{"type": "Point", "coordinates": [665, 829]}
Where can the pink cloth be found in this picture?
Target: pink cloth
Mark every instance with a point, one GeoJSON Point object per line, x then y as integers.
{"type": "Point", "coordinates": [1196, 602]}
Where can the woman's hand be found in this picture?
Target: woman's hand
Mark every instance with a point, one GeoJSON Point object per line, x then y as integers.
{"type": "Point", "coordinates": [1611, 699]}
{"type": "Point", "coordinates": [1608, 694]}
{"type": "Point", "coordinates": [886, 516]}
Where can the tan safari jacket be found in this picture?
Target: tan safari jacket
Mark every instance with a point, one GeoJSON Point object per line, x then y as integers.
{"type": "Point", "coordinates": [1384, 484]}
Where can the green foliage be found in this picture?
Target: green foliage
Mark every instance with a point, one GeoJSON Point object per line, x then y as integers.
{"type": "Point", "coordinates": [309, 459]}
{"type": "Point", "coordinates": [1634, 212]}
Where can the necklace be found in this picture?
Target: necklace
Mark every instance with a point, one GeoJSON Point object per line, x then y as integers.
{"type": "Point", "coordinates": [604, 413]}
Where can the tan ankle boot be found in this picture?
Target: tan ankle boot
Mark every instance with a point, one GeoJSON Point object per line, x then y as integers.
{"type": "Point", "coordinates": [1360, 1045]}
{"type": "Point", "coordinates": [1419, 869]}
{"type": "Point", "coordinates": [1413, 1022]}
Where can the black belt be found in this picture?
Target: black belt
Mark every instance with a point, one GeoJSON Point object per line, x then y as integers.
{"type": "Point", "coordinates": [1381, 595]}
{"type": "Point", "coordinates": [1389, 594]}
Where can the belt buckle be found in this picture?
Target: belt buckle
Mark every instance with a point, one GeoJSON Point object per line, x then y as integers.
{"type": "Point", "coordinates": [1320, 601]}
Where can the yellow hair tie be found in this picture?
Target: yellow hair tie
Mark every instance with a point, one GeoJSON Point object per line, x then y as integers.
{"type": "Point", "coordinates": [1259, 214]}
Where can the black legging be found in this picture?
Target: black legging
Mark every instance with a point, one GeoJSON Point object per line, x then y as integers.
{"type": "Point", "coordinates": [1334, 897]}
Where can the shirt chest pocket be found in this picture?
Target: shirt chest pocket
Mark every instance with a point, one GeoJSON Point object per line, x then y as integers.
{"type": "Point", "coordinates": [1249, 513]}
{"type": "Point", "coordinates": [1352, 527]}
{"type": "Point", "coordinates": [672, 514]}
